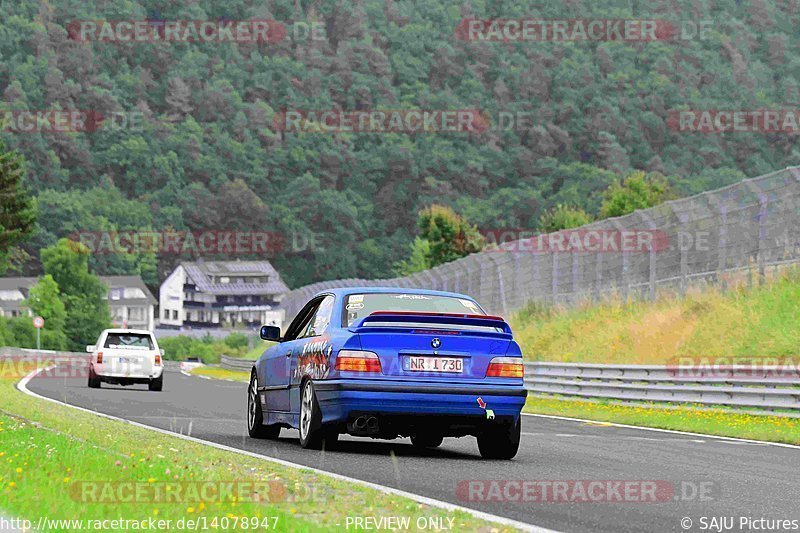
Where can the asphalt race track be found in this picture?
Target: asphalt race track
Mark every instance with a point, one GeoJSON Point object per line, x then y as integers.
{"type": "Point", "coordinates": [752, 480]}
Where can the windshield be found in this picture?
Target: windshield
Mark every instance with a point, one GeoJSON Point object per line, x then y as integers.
{"type": "Point", "coordinates": [138, 341]}
{"type": "Point", "coordinates": [360, 305]}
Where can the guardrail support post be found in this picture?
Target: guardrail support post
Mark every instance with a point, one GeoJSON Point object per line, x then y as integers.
{"type": "Point", "coordinates": [555, 278]}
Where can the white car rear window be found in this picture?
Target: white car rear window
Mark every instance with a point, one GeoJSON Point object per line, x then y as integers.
{"type": "Point", "coordinates": [134, 341]}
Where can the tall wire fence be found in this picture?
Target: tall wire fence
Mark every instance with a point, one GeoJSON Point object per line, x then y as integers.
{"type": "Point", "coordinates": [711, 238]}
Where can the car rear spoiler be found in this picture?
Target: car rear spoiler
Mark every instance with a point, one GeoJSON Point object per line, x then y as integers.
{"type": "Point", "coordinates": [435, 319]}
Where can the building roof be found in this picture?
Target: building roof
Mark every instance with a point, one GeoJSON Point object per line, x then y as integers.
{"type": "Point", "coordinates": [23, 284]}
{"type": "Point", "coordinates": [129, 282]}
{"type": "Point", "coordinates": [202, 272]}
{"type": "Point", "coordinates": [9, 284]}
{"type": "Point", "coordinates": [15, 284]}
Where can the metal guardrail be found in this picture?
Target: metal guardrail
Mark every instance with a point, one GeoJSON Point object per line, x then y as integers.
{"type": "Point", "coordinates": [233, 363]}
{"type": "Point", "coordinates": [764, 387]}
{"type": "Point", "coordinates": [13, 351]}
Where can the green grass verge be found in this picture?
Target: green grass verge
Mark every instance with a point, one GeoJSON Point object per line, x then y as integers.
{"type": "Point", "coordinates": [742, 322]}
{"type": "Point", "coordinates": [708, 421]}
{"type": "Point", "coordinates": [216, 372]}
{"type": "Point", "coordinates": [47, 451]}
{"type": "Point", "coordinates": [256, 352]}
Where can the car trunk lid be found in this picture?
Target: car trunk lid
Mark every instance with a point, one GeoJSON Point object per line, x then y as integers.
{"type": "Point", "coordinates": [433, 347]}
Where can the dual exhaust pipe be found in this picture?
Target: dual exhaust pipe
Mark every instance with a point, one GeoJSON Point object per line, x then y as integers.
{"type": "Point", "coordinates": [366, 424]}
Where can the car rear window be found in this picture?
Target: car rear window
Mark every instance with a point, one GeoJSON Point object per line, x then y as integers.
{"type": "Point", "coordinates": [360, 305]}
{"type": "Point", "coordinates": [137, 341]}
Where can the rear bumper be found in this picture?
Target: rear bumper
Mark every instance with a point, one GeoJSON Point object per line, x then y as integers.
{"type": "Point", "coordinates": [113, 380]}
{"type": "Point", "coordinates": [139, 376]}
{"type": "Point", "coordinates": [341, 399]}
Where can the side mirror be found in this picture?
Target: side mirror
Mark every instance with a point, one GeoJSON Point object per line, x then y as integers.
{"type": "Point", "coordinates": [89, 348]}
{"type": "Point", "coordinates": [271, 333]}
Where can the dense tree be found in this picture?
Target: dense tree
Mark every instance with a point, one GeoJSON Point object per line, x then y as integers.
{"type": "Point", "coordinates": [193, 137]}
{"type": "Point", "coordinates": [444, 236]}
{"type": "Point", "coordinates": [637, 191]}
{"type": "Point", "coordinates": [44, 301]}
{"type": "Point", "coordinates": [563, 217]}
{"type": "Point", "coordinates": [17, 212]}
{"type": "Point", "coordinates": [418, 260]}
{"type": "Point", "coordinates": [84, 294]}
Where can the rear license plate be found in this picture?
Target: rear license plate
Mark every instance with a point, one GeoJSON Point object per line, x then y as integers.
{"type": "Point", "coordinates": [418, 363]}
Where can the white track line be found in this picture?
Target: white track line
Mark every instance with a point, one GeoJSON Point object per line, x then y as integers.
{"type": "Point", "coordinates": [22, 386]}
{"type": "Point", "coordinates": [675, 431]}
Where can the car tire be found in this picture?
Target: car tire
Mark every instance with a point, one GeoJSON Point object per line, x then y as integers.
{"type": "Point", "coordinates": [94, 379]}
{"type": "Point", "coordinates": [313, 434]}
{"type": "Point", "coordinates": [157, 384]}
{"type": "Point", "coordinates": [500, 441]}
{"type": "Point", "coordinates": [255, 416]}
{"type": "Point", "coordinates": [427, 440]}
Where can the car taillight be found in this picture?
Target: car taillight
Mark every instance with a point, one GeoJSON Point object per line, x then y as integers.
{"type": "Point", "coordinates": [357, 361]}
{"type": "Point", "coordinates": [158, 360]}
{"type": "Point", "coordinates": [505, 367]}
{"type": "Point", "coordinates": [99, 357]}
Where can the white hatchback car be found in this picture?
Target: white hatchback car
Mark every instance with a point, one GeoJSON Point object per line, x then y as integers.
{"type": "Point", "coordinates": [125, 357]}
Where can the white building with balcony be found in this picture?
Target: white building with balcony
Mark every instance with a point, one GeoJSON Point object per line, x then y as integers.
{"type": "Point", "coordinates": [225, 294]}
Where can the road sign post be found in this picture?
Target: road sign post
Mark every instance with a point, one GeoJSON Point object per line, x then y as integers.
{"type": "Point", "coordinates": [38, 323]}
